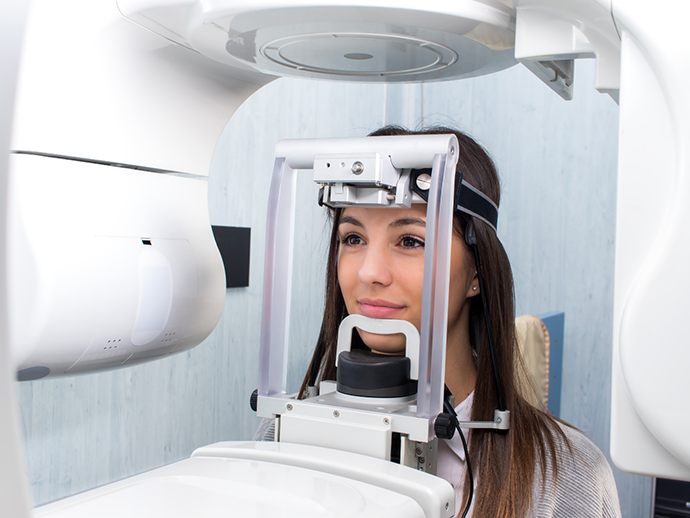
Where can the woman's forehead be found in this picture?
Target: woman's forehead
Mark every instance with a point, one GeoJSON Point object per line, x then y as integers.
{"type": "Point", "coordinates": [366, 216]}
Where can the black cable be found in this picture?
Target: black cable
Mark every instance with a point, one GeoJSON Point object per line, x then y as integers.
{"type": "Point", "coordinates": [471, 239]}
{"type": "Point", "coordinates": [450, 410]}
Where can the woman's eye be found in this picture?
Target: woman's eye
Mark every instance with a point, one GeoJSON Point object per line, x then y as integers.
{"type": "Point", "coordinates": [411, 242]}
{"type": "Point", "coordinates": [351, 240]}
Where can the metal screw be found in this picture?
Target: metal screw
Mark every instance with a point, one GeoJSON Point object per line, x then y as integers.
{"type": "Point", "coordinates": [452, 151]}
{"type": "Point", "coordinates": [357, 168]}
{"type": "Point", "coordinates": [336, 413]}
{"type": "Point", "coordinates": [424, 181]}
{"type": "Point", "coordinates": [421, 460]}
{"type": "Point", "coordinates": [418, 451]}
{"type": "Point", "coordinates": [288, 406]}
{"type": "Point", "coordinates": [498, 420]}
{"type": "Point", "coordinates": [386, 420]}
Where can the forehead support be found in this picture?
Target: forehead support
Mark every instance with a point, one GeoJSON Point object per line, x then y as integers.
{"type": "Point", "coordinates": [363, 180]}
{"type": "Point", "coordinates": [371, 180]}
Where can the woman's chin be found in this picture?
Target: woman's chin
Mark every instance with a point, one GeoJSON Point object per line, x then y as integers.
{"type": "Point", "coordinates": [384, 344]}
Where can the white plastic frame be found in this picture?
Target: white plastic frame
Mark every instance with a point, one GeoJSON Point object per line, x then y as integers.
{"type": "Point", "coordinates": [411, 151]}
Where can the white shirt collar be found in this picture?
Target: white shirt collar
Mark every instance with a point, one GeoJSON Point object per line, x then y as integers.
{"type": "Point", "coordinates": [464, 411]}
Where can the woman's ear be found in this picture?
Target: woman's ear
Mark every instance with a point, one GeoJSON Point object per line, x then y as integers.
{"type": "Point", "coordinates": [473, 288]}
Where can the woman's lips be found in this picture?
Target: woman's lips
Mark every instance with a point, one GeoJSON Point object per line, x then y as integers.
{"type": "Point", "coordinates": [375, 308]}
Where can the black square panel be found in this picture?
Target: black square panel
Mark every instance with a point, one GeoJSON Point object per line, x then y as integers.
{"type": "Point", "coordinates": [234, 243]}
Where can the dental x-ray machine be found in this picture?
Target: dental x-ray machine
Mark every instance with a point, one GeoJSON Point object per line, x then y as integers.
{"type": "Point", "coordinates": [118, 107]}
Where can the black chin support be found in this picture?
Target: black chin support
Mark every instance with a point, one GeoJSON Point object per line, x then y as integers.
{"type": "Point", "coordinates": [367, 374]}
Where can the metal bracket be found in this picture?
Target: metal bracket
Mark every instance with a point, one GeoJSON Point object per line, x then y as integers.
{"type": "Point", "coordinates": [362, 179]}
{"type": "Point", "coordinates": [501, 422]}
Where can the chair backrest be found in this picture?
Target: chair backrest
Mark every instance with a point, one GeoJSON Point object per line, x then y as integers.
{"type": "Point", "coordinates": [540, 340]}
{"type": "Point", "coordinates": [533, 340]}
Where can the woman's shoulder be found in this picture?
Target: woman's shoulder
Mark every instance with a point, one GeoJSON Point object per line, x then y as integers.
{"type": "Point", "coordinates": [581, 484]}
{"type": "Point", "coordinates": [266, 430]}
{"type": "Point", "coordinates": [580, 451]}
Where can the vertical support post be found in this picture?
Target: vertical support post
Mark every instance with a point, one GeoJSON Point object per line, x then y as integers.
{"type": "Point", "coordinates": [275, 318]}
{"type": "Point", "coordinates": [439, 233]}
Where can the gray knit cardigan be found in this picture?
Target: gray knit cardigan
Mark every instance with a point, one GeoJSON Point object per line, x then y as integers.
{"type": "Point", "coordinates": [585, 486]}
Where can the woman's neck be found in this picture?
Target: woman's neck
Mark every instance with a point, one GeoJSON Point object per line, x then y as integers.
{"type": "Point", "coordinates": [461, 372]}
{"type": "Point", "coordinates": [461, 375]}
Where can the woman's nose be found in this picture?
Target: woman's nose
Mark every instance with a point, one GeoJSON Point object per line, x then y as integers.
{"type": "Point", "coordinates": [375, 268]}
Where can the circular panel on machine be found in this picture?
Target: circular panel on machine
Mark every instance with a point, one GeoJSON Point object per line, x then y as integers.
{"type": "Point", "coordinates": [351, 42]}
{"type": "Point", "coordinates": [359, 54]}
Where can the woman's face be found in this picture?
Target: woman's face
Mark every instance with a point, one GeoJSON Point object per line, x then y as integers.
{"type": "Point", "coordinates": [381, 267]}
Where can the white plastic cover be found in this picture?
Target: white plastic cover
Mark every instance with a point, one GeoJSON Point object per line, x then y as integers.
{"type": "Point", "coordinates": [261, 480]}
{"type": "Point", "coordinates": [108, 266]}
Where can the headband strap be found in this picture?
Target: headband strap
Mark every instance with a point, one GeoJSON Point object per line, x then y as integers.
{"type": "Point", "coordinates": [468, 199]}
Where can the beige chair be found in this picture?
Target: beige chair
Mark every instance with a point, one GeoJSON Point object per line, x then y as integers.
{"type": "Point", "coordinates": [534, 343]}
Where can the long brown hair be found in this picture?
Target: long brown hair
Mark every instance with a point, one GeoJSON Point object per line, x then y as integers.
{"type": "Point", "coordinates": [504, 462]}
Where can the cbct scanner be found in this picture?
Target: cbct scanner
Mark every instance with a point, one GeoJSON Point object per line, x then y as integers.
{"type": "Point", "coordinates": [114, 108]}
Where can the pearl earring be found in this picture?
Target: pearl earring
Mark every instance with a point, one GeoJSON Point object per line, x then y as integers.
{"type": "Point", "coordinates": [474, 288]}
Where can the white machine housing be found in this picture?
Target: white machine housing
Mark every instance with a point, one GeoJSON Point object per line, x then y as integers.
{"type": "Point", "coordinates": [95, 88]}
{"type": "Point", "coordinates": [111, 256]}
{"type": "Point", "coordinates": [266, 479]}
{"type": "Point", "coordinates": [108, 266]}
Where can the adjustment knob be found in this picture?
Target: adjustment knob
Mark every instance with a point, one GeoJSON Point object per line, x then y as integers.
{"type": "Point", "coordinates": [444, 426]}
{"type": "Point", "coordinates": [253, 399]}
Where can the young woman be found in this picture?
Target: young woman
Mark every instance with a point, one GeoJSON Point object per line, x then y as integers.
{"type": "Point", "coordinates": [540, 467]}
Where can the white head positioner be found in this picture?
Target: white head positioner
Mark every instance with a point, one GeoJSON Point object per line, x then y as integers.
{"type": "Point", "coordinates": [95, 90]}
{"type": "Point", "coordinates": [366, 172]}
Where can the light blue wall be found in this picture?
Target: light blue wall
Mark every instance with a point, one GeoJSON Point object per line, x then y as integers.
{"type": "Point", "coordinates": [557, 162]}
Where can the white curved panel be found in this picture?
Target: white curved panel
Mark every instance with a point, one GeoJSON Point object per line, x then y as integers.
{"type": "Point", "coordinates": [650, 421]}
{"type": "Point", "coordinates": [14, 494]}
{"type": "Point", "coordinates": [124, 265]}
{"type": "Point", "coordinates": [266, 479]}
{"type": "Point", "coordinates": [94, 85]}
{"type": "Point", "coordinates": [155, 296]}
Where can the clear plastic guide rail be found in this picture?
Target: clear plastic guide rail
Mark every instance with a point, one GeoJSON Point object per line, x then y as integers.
{"type": "Point", "coordinates": [356, 170]}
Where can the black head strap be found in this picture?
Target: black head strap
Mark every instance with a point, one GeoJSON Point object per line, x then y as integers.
{"type": "Point", "coordinates": [468, 199]}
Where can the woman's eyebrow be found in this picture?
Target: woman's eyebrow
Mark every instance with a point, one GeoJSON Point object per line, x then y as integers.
{"type": "Point", "coordinates": [351, 221]}
{"type": "Point", "coordinates": [403, 222]}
